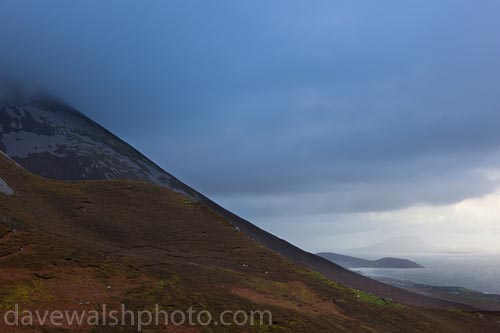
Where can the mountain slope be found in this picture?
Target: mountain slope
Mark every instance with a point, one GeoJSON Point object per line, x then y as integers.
{"type": "Point", "coordinates": [54, 140]}
{"type": "Point", "coordinates": [79, 245]}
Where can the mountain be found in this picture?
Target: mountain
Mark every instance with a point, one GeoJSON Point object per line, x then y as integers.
{"type": "Point", "coordinates": [53, 140]}
{"type": "Point", "coordinates": [56, 141]}
{"type": "Point", "coordinates": [80, 245]}
{"type": "Point", "coordinates": [354, 262]}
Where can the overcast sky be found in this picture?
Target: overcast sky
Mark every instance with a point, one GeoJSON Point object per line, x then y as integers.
{"type": "Point", "coordinates": [333, 124]}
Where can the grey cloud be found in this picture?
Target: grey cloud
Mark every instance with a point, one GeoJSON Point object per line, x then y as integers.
{"type": "Point", "coordinates": [332, 101]}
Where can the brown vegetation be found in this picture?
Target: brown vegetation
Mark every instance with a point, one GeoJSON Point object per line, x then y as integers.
{"type": "Point", "coordinates": [78, 245]}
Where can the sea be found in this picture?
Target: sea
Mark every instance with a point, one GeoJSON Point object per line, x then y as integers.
{"type": "Point", "coordinates": [473, 271]}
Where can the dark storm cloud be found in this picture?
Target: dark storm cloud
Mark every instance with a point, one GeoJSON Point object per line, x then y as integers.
{"type": "Point", "coordinates": [332, 105]}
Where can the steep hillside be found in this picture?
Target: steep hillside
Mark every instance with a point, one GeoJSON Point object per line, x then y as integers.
{"type": "Point", "coordinates": [79, 245]}
{"type": "Point", "coordinates": [56, 141]}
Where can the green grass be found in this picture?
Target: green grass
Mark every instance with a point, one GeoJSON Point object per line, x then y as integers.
{"type": "Point", "coordinates": [18, 294]}
{"type": "Point", "coordinates": [359, 296]}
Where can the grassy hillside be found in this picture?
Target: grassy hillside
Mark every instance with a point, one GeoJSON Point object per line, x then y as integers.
{"type": "Point", "coordinates": [79, 245]}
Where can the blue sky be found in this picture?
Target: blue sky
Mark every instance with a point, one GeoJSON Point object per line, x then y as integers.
{"type": "Point", "coordinates": [333, 124]}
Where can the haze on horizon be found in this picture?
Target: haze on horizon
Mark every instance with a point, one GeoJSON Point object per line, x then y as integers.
{"type": "Point", "coordinates": [331, 124]}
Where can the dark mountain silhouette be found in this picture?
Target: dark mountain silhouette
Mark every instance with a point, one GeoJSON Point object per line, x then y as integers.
{"type": "Point", "coordinates": [354, 262]}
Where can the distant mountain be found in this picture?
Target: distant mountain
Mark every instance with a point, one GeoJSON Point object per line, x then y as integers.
{"type": "Point", "coordinates": [353, 262]}
{"type": "Point", "coordinates": [51, 139]}
{"type": "Point", "coordinates": [397, 245]}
